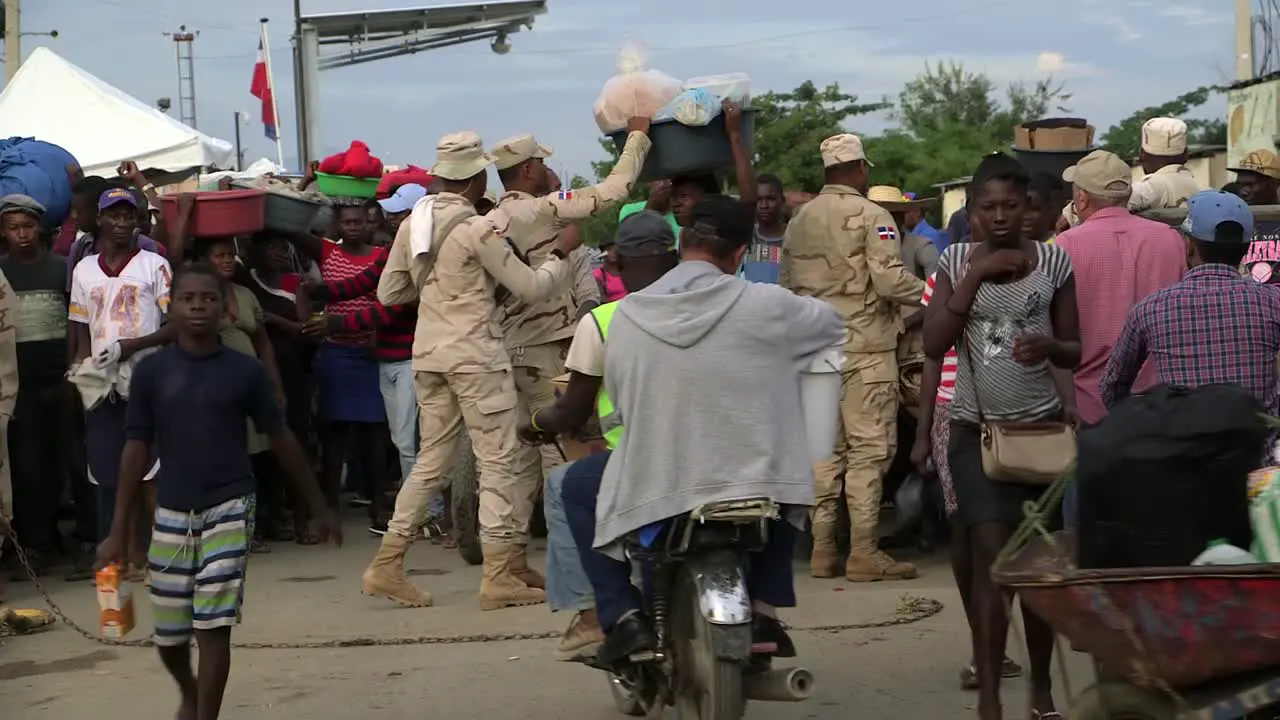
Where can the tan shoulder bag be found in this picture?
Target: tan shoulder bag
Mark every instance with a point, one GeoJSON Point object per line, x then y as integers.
{"type": "Point", "coordinates": [1028, 453]}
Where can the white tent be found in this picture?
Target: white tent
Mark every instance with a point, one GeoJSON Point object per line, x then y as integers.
{"type": "Point", "coordinates": [53, 100]}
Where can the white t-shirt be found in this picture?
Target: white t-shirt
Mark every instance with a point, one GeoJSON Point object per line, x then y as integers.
{"type": "Point", "coordinates": [586, 352]}
{"type": "Point", "coordinates": [119, 306]}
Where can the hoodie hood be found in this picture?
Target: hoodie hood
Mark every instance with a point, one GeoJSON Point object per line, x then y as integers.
{"type": "Point", "coordinates": [685, 304]}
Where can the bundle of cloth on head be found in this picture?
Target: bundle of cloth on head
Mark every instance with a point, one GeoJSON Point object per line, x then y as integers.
{"type": "Point", "coordinates": [410, 175]}
{"type": "Point", "coordinates": [356, 161]}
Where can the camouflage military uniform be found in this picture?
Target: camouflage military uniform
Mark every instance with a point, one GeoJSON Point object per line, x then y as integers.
{"type": "Point", "coordinates": [462, 373]}
{"type": "Point", "coordinates": [844, 249]}
{"type": "Point", "coordinates": [8, 396]}
{"type": "Point", "coordinates": [538, 334]}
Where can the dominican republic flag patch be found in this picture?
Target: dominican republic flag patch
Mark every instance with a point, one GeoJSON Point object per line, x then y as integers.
{"type": "Point", "coordinates": [565, 195]}
{"type": "Point", "coordinates": [887, 233]}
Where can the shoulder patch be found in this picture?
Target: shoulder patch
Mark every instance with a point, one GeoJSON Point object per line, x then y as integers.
{"type": "Point", "coordinates": [564, 195]}
{"type": "Point", "coordinates": [886, 232]}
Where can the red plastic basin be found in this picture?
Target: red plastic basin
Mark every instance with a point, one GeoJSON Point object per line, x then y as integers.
{"type": "Point", "coordinates": [220, 213]}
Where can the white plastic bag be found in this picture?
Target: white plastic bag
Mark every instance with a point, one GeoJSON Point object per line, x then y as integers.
{"type": "Point", "coordinates": [729, 86]}
{"type": "Point", "coordinates": [635, 91]}
{"type": "Point", "coordinates": [694, 108]}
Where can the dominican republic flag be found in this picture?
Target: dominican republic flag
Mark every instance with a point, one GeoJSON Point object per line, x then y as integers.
{"type": "Point", "coordinates": [887, 233]}
{"type": "Point", "coordinates": [261, 89]}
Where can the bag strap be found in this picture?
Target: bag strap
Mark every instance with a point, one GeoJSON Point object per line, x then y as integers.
{"type": "Point", "coordinates": [964, 341]}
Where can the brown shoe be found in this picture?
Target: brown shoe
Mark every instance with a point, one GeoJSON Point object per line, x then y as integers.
{"type": "Point", "coordinates": [499, 587]}
{"type": "Point", "coordinates": [582, 639]}
{"type": "Point", "coordinates": [520, 568]}
{"type": "Point", "coordinates": [825, 560]}
{"type": "Point", "coordinates": [873, 565]}
{"type": "Point", "coordinates": [385, 577]}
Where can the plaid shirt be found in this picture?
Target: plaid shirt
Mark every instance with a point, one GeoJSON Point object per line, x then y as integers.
{"type": "Point", "coordinates": [1213, 326]}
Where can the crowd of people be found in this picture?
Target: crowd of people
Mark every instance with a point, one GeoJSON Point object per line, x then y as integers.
{"type": "Point", "coordinates": [194, 417]}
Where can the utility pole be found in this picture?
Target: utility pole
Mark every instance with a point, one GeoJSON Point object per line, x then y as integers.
{"type": "Point", "coordinates": [12, 38]}
{"type": "Point", "coordinates": [300, 90]}
{"type": "Point", "coordinates": [1244, 40]}
{"type": "Point", "coordinates": [185, 42]}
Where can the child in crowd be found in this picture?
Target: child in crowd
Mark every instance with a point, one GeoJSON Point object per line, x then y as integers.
{"type": "Point", "coordinates": [192, 401]}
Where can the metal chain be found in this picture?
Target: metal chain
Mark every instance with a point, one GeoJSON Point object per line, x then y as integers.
{"type": "Point", "coordinates": [911, 610]}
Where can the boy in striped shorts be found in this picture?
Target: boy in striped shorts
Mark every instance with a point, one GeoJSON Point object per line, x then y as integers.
{"type": "Point", "coordinates": [192, 400]}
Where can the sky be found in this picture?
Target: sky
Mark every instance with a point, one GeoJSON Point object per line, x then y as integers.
{"type": "Point", "coordinates": [1115, 56]}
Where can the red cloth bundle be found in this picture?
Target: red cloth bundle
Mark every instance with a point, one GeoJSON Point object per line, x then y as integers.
{"type": "Point", "coordinates": [355, 162]}
{"type": "Point", "coordinates": [411, 174]}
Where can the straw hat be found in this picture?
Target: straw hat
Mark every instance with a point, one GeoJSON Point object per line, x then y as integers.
{"type": "Point", "coordinates": [893, 199]}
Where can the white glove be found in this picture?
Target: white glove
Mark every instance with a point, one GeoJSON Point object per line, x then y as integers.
{"type": "Point", "coordinates": [108, 356]}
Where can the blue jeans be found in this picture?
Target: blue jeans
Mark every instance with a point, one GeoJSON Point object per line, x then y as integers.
{"type": "Point", "coordinates": [567, 584]}
{"type": "Point", "coordinates": [769, 576]}
{"type": "Point", "coordinates": [395, 379]}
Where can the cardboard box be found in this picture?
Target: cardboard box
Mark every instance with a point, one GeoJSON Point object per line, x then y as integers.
{"type": "Point", "coordinates": [1053, 139]}
{"type": "Point", "coordinates": [589, 442]}
{"type": "Point", "coordinates": [115, 603]}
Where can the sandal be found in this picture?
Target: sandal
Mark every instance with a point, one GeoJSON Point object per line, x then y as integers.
{"type": "Point", "coordinates": [969, 674]}
{"type": "Point", "coordinates": [259, 547]}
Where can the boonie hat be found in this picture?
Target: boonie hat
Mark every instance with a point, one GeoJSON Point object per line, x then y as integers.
{"type": "Point", "coordinates": [460, 156]}
{"type": "Point", "coordinates": [843, 148]}
{"type": "Point", "coordinates": [404, 198]}
{"type": "Point", "coordinates": [17, 202]}
{"type": "Point", "coordinates": [1164, 136]}
{"type": "Point", "coordinates": [1263, 162]}
{"type": "Point", "coordinates": [115, 196]}
{"type": "Point", "coordinates": [644, 234]}
{"type": "Point", "coordinates": [1208, 209]}
{"type": "Point", "coordinates": [1101, 173]}
{"type": "Point", "coordinates": [515, 150]}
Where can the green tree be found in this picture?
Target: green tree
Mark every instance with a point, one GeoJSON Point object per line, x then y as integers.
{"type": "Point", "coordinates": [1125, 137]}
{"type": "Point", "coordinates": [790, 126]}
{"type": "Point", "coordinates": [948, 119]}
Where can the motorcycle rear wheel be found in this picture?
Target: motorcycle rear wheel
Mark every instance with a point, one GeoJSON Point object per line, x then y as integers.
{"type": "Point", "coordinates": [707, 687]}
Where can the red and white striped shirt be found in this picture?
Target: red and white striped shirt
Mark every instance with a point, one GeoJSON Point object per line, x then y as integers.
{"type": "Point", "coordinates": [947, 385]}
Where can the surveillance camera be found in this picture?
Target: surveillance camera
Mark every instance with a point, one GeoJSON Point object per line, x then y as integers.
{"type": "Point", "coordinates": [164, 104]}
{"type": "Point", "coordinates": [53, 34]}
{"type": "Point", "coordinates": [500, 44]}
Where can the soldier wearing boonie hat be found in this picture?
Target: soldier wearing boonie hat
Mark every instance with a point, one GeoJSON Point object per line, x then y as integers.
{"type": "Point", "coordinates": [1169, 182]}
{"type": "Point", "coordinates": [845, 249]}
{"type": "Point", "coordinates": [1258, 174]}
{"type": "Point", "coordinates": [449, 260]}
{"type": "Point", "coordinates": [537, 335]}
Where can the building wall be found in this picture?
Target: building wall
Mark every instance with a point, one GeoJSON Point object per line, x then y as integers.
{"type": "Point", "coordinates": [952, 200]}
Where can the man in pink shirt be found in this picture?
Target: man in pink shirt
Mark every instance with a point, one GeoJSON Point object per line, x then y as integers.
{"type": "Point", "coordinates": [1119, 259]}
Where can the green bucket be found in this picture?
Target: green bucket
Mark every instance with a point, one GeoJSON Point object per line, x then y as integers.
{"type": "Point", "coordinates": [343, 186]}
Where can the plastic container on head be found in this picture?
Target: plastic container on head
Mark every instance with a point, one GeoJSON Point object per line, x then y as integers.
{"type": "Point", "coordinates": [820, 401]}
{"type": "Point", "coordinates": [220, 214]}
{"type": "Point", "coordinates": [682, 150]}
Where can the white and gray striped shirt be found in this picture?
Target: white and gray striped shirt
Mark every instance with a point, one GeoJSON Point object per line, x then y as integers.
{"type": "Point", "coordinates": [999, 315]}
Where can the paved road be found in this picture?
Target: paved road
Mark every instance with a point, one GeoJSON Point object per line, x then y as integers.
{"type": "Point", "coordinates": [906, 672]}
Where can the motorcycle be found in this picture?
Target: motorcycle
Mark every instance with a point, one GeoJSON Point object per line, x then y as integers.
{"type": "Point", "coordinates": [706, 664]}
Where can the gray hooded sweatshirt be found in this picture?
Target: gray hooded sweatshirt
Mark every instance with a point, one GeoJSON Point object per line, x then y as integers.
{"type": "Point", "coordinates": [703, 368]}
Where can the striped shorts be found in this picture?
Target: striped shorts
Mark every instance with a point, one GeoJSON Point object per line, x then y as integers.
{"type": "Point", "coordinates": [197, 561]}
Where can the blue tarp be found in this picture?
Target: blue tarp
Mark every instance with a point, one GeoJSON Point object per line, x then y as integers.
{"type": "Point", "coordinates": [37, 169]}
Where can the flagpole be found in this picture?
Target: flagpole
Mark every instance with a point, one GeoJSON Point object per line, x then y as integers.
{"type": "Point", "coordinates": [271, 83]}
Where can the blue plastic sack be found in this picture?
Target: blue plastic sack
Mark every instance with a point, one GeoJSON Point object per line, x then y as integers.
{"type": "Point", "coordinates": [695, 108]}
{"type": "Point", "coordinates": [37, 169]}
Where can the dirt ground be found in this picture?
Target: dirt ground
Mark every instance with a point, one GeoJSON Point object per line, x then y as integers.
{"type": "Point", "coordinates": [907, 672]}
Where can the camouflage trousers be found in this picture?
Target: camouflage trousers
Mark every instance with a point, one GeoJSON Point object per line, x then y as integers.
{"type": "Point", "coordinates": [488, 405]}
{"type": "Point", "coordinates": [6, 482]}
{"type": "Point", "coordinates": [535, 367]}
{"type": "Point", "coordinates": [866, 441]}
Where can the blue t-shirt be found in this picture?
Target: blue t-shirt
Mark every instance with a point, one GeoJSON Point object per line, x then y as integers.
{"type": "Point", "coordinates": [194, 410]}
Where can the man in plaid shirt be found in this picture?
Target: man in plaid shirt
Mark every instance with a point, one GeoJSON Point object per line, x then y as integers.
{"type": "Point", "coordinates": [1213, 326]}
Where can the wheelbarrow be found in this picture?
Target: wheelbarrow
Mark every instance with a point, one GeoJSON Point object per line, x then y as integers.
{"type": "Point", "coordinates": [1169, 643]}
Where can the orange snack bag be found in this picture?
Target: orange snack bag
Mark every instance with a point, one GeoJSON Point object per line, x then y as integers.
{"type": "Point", "coordinates": [115, 603]}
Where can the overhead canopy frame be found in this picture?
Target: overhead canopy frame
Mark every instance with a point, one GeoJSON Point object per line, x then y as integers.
{"type": "Point", "coordinates": [334, 40]}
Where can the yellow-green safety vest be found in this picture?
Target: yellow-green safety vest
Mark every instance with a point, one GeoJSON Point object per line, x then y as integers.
{"type": "Point", "coordinates": [610, 421]}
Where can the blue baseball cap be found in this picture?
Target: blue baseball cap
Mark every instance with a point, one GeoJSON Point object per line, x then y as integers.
{"type": "Point", "coordinates": [1208, 209]}
{"type": "Point", "coordinates": [116, 195]}
{"type": "Point", "coordinates": [405, 197]}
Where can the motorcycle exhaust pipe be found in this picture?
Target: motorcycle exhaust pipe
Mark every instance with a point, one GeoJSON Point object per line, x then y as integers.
{"type": "Point", "coordinates": [780, 685]}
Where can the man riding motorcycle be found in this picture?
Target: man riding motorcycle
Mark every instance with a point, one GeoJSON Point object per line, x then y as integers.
{"type": "Point", "coordinates": [702, 370]}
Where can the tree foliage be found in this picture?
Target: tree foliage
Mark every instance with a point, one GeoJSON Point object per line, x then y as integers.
{"type": "Point", "coordinates": [1125, 137]}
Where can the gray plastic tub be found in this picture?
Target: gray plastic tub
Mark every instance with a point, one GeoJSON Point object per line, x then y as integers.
{"type": "Point", "coordinates": [682, 150]}
{"type": "Point", "coordinates": [290, 214]}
